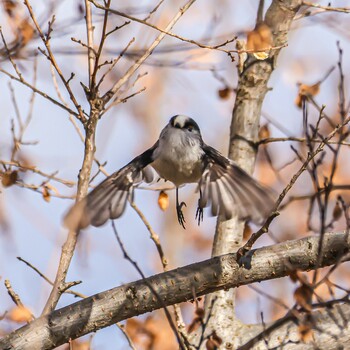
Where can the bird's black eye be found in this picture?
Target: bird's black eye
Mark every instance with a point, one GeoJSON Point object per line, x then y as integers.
{"type": "Point", "coordinates": [190, 128]}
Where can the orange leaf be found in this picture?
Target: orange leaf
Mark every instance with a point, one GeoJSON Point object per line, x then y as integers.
{"type": "Point", "coordinates": [305, 332]}
{"type": "Point", "coordinates": [9, 178]}
{"type": "Point", "coordinates": [46, 194]}
{"type": "Point", "coordinates": [163, 200]}
{"type": "Point", "coordinates": [306, 91]}
{"type": "Point", "coordinates": [26, 31]}
{"type": "Point", "coordinates": [260, 39]}
{"type": "Point", "coordinates": [9, 7]}
{"type": "Point", "coordinates": [303, 297]}
{"type": "Point", "coordinates": [224, 93]}
{"type": "Point", "coordinates": [264, 132]}
{"type": "Point", "coordinates": [247, 231]}
{"type": "Point", "coordinates": [213, 342]}
{"type": "Point", "coordinates": [20, 314]}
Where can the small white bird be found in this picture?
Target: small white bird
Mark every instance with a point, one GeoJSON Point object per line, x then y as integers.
{"type": "Point", "coordinates": [179, 156]}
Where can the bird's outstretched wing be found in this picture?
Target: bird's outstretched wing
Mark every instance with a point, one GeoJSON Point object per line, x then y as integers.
{"type": "Point", "coordinates": [109, 198]}
{"type": "Point", "coordinates": [230, 190]}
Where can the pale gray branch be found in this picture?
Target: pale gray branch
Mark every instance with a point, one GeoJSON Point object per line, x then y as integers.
{"type": "Point", "coordinates": [218, 273]}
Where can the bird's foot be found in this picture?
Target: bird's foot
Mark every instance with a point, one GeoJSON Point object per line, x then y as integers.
{"type": "Point", "coordinates": [180, 215]}
{"type": "Point", "coordinates": [199, 215]}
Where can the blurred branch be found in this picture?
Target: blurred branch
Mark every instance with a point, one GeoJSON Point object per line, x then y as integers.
{"type": "Point", "coordinates": [68, 291]}
{"type": "Point", "coordinates": [252, 87]}
{"type": "Point", "coordinates": [97, 105]}
{"type": "Point", "coordinates": [296, 139]}
{"type": "Point", "coordinates": [16, 299]}
{"type": "Point", "coordinates": [327, 8]}
{"type": "Point", "coordinates": [33, 169]}
{"type": "Point", "coordinates": [43, 94]}
{"type": "Point", "coordinates": [135, 298]}
{"type": "Point", "coordinates": [166, 31]}
{"type": "Point", "coordinates": [49, 54]}
{"type": "Point", "coordinates": [310, 157]}
{"type": "Point", "coordinates": [109, 94]}
{"type": "Point", "coordinates": [153, 291]}
{"type": "Point", "coordinates": [90, 40]}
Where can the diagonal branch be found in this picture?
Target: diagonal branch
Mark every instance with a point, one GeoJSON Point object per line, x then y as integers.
{"type": "Point", "coordinates": [218, 273]}
{"type": "Point", "coordinates": [139, 62]}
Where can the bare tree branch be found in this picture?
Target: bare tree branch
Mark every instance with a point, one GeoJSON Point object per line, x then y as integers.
{"type": "Point", "coordinates": [218, 273]}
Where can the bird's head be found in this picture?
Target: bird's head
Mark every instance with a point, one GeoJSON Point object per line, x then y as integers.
{"type": "Point", "coordinates": [184, 123]}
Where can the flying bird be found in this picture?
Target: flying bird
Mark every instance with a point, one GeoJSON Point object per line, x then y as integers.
{"type": "Point", "coordinates": [180, 156]}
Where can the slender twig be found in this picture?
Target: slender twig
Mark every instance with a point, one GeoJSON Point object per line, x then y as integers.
{"type": "Point", "coordinates": [33, 169]}
{"type": "Point", "coordinates": [41, 93]}
{"type": "Point", "coordinates": [15, 297]}
{"type": "Point", "coordinates": [126, 335]}
{"type": "Point", "coordinates": [137, 64]}
{"type": "Point", "coordinates": [327, 8]}
{"type": "Point", "coordinates": [255, 236]}
{"type": "Point", "coordinates": [154, 237]}
{"type": "Point", "coordinates": [46, 40]}
{"type": "Point", "coordinates": [68, 291]}
{"type": "Point", "coordinates": [114, 62]}
{"type": "Point", "coordinates": [138, 269]}
{"type": "Point", "coordinates": [90, 39]}
{"type": "Point", "coordinates": [296, 139]}
{"type": "Point", "coordinates": [153, 10]}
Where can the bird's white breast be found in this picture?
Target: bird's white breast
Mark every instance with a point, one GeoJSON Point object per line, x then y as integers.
{"type": "Point", "coordinates": [178, 157]}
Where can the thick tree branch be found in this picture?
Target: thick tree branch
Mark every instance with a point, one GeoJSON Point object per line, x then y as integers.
{"type": "Point", "coordinates": [251, 90]}
{"type": "Point", "coordinates": [223, 272]}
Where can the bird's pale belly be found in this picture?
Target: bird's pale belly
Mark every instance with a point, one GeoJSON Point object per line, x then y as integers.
{"type": "Point", "coordinates": [180, 173]}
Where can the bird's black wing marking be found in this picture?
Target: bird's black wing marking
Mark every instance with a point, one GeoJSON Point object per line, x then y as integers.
{"type": "Point", "coordinates": [230, 190]}
{"type": "Point", "coordinates": [109, 198]}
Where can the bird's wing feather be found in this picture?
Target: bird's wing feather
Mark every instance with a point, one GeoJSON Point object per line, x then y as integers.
{"type": "Point", "coordinates": [109, 198]}
{"type": "Point", "coordinates": [231, 191]}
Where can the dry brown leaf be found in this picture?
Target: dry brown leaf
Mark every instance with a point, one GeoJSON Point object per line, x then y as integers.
{"type": "Point", "coordinates": [337, 212]}
{"type": "Point", "coordinates": [264, 132]}
{"type": "Point", "coordinates": [81, 345]}
{"type": "Point", "coordinates": [9, 178]}
{"type": "Point", "coordinates": [132, 327]}
{"type": "Point", "coordinates": [306, 91]}
{"type": "Point", "coordinates": [199, 312]}
{"type": "Point", "coordinates": [247, 231]}
{"type": "Point", "coordinates": [213, 342]}
{"type": "Point", "coordinates": [294, 276]}
{"type": "Point", "coordinates": [25, 31]}
{"type": "Point", "coordinates": [305, 332]}
{"type": "Point", "coordinates": [260, 39]}
{"type": "Point", "coordinates": [303, 297]}
{"type": "Point", "coordinates": [297, 275]}
{"type": "Point", "coordinates": [194, 324]}
{"type": "Point", "coordinates": [9, 7]}
{"type": "Point", "coordinates": [20, 314]}
{"type": "Point", "coordinates": [163, 200]}
{"type": "Point", "coordinates": [52, 188]}
{"type": "Point", "coordinates": [77, 345]}
{"type": "Point", "coordinates": [197, 320]}
{"type": "Point", "coordinates": [46, 193]}
{"type": "Point", "coordinates": [224, 93]}
{"type": "Point", "coordinates": [210, 345]}
{"type": "Point", "coordinates": [153, 333]}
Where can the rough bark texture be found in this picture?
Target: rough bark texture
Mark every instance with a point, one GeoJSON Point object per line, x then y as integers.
{"type": "Point", "coordinates": [219, 273]}
{"type": "Point", "coordinates": [330, 333]}
{"type": "Point", "coordinates": [251, 90]}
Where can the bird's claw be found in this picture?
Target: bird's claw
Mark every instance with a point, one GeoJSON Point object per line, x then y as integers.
{"type": "Point", "coordinates": [180, 215]}
{"type": "Point", "coordinates": [199, 215]}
